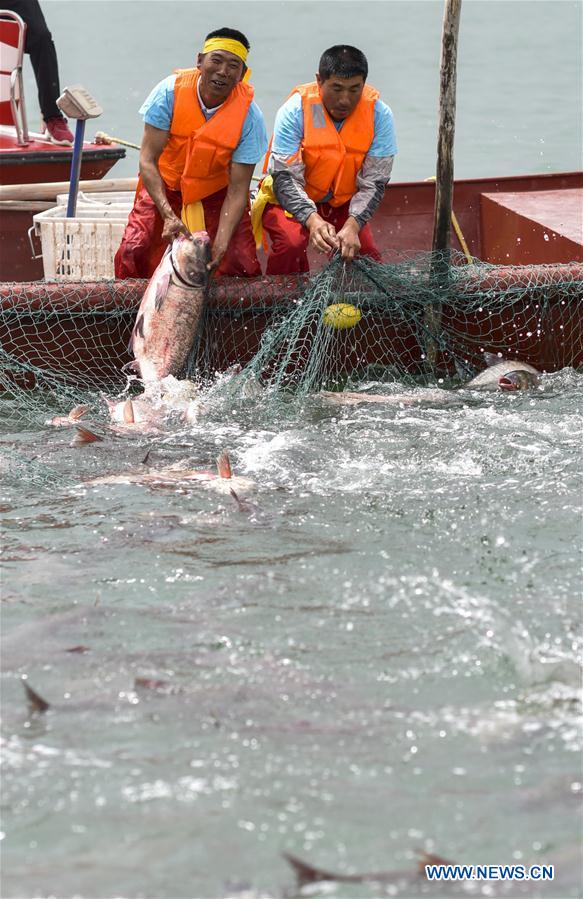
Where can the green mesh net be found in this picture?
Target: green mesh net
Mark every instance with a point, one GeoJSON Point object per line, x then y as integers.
{"type": "Point", "coordinates": [62, 344]}
{"type": "Point", "coordinates": [421, 320]}
{"type": "Point", "coordinates": [424, 320]}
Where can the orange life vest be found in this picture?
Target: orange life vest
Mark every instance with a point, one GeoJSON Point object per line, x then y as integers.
{"type": "Point", "coordinates": [334, 158]}
{"type": "Point", "coordinates": [198, 154]}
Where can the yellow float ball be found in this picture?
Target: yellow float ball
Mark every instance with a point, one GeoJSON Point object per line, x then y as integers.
{"type": "Point", "coordinates": [341, 315]}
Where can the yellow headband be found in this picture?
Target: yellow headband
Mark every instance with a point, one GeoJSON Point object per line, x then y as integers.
{"type": "Point", "coordinates": [228, 44]}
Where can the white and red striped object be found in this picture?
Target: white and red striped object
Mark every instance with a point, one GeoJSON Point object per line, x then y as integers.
{"type": "Point", "coordinates": [12, 108]}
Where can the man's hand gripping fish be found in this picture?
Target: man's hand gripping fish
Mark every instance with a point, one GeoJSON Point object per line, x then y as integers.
{"type": "Point", "coordinates": [171, 307]}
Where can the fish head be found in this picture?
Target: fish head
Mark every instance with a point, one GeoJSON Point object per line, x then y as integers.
{"type": "Point", "coordinates": [191, 256]}
{"type": "Point", "coordinates": [518, 380]}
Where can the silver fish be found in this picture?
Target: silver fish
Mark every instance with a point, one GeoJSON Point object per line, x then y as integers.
{"type": "Point", "coordinates": [501, 374]}
{"type": "Point", "coordinates": [505, 374]}
{"type": "Point", "coordinates": [148, 411]}
{"type": "Point", "coordinates": [353, 398]}
{"type": "Point", "coordinates": [67, 421]}
{"type": "Point", "coordinates": [171, 307]}
{"type": "Point", "coordinates": [135, 414]}
{"type": "Point", "coordinates": [223, 481]}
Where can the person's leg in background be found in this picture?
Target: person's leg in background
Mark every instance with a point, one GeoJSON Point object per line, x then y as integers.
{"type": "Point", "coordinates": [289, 243]}
{"type": "Point", "coordinates": [43, 57]}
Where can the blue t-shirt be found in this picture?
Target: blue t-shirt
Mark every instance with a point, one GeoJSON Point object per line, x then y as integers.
{"type": "Point", "coordinates": [289, 129]}
{"type": "Point", "coordinates": [158, 108]}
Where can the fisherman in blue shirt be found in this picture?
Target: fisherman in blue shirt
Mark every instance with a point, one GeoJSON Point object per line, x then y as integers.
{"type": "Point", "coordinates": [330, 159]}
{"type": "Point", "coordinates": [203, 135]}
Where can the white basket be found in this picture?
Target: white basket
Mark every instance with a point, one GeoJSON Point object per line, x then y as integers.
{"type": "Point", "coordinates": [80, 248]}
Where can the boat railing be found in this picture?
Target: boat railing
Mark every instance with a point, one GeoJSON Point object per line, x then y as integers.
{"type": "Point", "coordinates": [12, 105]}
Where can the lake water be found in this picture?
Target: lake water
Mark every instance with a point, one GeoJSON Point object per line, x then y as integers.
{"type": "Point", "coordinates": [519, 69]}
{"type": "Point", "coordinates": [383, 652]}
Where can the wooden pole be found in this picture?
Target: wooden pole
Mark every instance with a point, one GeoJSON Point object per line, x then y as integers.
{"type": "Point", "coordinates": [48, 190]}
{"type": "Point", "coordinates": [447, 91]}
{"type": "Point", "coordinates": [444, 172]}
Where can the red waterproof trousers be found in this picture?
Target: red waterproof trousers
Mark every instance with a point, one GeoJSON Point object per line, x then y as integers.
{"type": "Point", "coordinates": [142, 247]}
{"type": "Point", "coordinates": [289, 239]}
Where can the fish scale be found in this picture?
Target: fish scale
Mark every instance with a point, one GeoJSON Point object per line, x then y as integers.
{"type": "Point", "coordinates": [171, 307]}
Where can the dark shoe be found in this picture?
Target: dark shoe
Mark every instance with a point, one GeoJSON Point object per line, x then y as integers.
{"type": "Point", "coordinates": [58, 131]}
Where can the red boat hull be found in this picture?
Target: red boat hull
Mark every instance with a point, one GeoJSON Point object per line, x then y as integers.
{"type": "Point", "coordinates": [38, 162]}
{"type": "Point", "coordinates": [65, 327]}
{"type": "Point", "coordinates": [41, 160]}
{"type": "Point", "coordinates": [404, 220]}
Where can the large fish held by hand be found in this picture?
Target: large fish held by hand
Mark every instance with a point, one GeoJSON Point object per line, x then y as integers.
{"type": "Point", "coordinates": [171, 307]}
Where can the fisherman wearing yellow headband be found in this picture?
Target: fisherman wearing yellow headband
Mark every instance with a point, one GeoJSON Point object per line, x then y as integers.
{"type": "Point", "coordinates": [203, 136]}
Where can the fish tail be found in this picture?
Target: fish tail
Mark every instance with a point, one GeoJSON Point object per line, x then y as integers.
{"type": "Point", "coordinates": [429, 858]}
{"type": "Point", "coordinates": [78, 412]}
{"type": "Point", "coordinates": [224, 466]}
{"type": "Point", "coordinates": [36, 703]}
{"type": "Point", "coordinates": [305, 873]}
{"type": "Point", "coordinates": [239, 502]}
{"type": "Point", "coordinates": [84, 435]}
{"type": "Point", "coordinates": [463, 370]}
{"type": "Point", "coordinates": [128, 412]}
{"type": "Point", "coordinates": [242, 504]}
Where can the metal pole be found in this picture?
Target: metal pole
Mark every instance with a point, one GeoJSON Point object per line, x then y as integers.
{"type": "Point", "coordinates": [75, 168]}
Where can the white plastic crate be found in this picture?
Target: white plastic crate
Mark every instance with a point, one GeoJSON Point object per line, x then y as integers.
{"type": "Point", "coordinates": [80, 248]}
{"type": "Point", "coordinates": [117, 199]}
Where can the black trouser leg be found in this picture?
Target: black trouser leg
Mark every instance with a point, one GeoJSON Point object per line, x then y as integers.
{"type": "Point", "coordinates": [43, 56]}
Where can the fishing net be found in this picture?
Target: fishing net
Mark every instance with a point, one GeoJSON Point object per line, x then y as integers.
{"type": "Point", "coordinates": [424, 320]}
{"type": "Point", "coordinates": [421, 320]}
